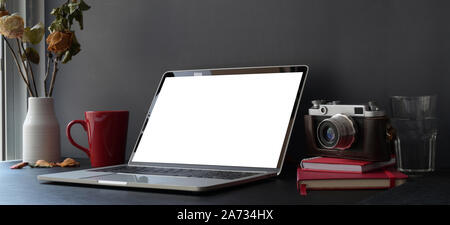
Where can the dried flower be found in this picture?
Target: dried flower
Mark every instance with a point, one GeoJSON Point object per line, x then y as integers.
{"type": "Point", "coordinates": [12, 26]}
{"type": "Point", "coordinates": [43, 163]}
{"type": "Point", "coordinates": [19, 165]}
{"type": "Point", "coordinates": [34, 34]}
{"type": "Point", "coordinates": [59, 42]}
{"type": "Point", "coordinates": [68, 162]}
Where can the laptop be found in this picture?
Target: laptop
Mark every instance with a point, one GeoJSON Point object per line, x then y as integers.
{"type": "Point", "coordinates": [208, 129]}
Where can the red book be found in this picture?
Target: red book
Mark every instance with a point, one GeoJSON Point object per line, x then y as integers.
{"type": "Point", "coordinates": [380, 179]}
{"type": "Point", "coordinates": [328, 164]}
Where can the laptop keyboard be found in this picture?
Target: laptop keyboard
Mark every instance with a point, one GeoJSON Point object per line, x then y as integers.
{"type": "Point", "coordinates": [227, 175]}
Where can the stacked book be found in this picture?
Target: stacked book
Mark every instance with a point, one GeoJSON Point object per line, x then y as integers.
{"type": "Point", "coordinates": [325, 173]}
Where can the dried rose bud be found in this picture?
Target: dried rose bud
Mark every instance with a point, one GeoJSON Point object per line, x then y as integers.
{"type": "Point", "coordinates": [59, 42]}
{"type": "Point", "coordinates": [12, 26]}
{"type": "Point", "coordinates": [43, 163]}
{"type": "Point", "coordinates": [68, 162]}
{"type": "Point", "coordinates": [19, 165]}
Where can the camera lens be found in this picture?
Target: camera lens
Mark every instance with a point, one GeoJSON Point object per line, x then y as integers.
{"type": "Point", "coordinates": [327, 134]}
{"type": "Point", "coordinates": [336, 132]}
{"type": "Point", "coordinates": [330, 135]}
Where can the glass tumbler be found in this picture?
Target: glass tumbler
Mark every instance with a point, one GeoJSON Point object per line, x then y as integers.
{"type": "Point", "coordinates": [414, 118]}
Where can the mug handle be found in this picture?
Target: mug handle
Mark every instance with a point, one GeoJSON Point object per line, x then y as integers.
{"type": "Point", "coordinates": [69, 126]}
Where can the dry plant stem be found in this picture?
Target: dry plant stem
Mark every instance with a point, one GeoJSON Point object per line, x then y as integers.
{"type": "Point", "coordinates": [31, 69]}
{"type": "Point", "coordinates": [46, 74]}
{"type": "Point", "coordinates": [32, 78]}
{"type": "Point", "coordinates": [25, 67]}
{"type": "Point", "coordinates": [18, 67]}
{"type": "Point", "coordinates": [22, 61]}
{"type": "Point", "coordinates": [55, 71]}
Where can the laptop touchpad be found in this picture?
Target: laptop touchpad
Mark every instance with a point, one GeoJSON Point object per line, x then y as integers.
{"type": "Point", "coordinates": [129, 178]}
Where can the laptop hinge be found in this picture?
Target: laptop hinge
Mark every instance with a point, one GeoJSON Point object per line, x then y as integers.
{"type": "Point", "coordinates": [205, 167]}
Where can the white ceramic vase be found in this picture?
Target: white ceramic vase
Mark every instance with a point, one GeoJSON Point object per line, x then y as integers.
{"type": "Point", "coordinates": [41, 139]}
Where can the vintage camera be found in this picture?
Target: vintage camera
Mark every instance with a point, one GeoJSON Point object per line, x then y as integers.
{"type": "Point", "coordinates": [348, 131]}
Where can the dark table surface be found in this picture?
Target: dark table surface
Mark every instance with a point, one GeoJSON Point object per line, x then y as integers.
{"type": "Point", "coordinates": [20, 186]}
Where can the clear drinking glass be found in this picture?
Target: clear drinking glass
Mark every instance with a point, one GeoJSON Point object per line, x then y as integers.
{"type": "Point", "coordinates": [415, 120]}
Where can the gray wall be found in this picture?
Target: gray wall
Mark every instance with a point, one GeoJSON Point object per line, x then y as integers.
{"type": "Point", "coordinates": [357, 50]}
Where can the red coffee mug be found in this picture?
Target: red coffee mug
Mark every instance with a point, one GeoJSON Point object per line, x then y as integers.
{"type": "Point", "coordinates": [107, 136]}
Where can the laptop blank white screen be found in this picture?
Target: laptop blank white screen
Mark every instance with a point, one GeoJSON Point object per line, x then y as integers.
{"type": "Point", "coordinates": [225, 120]}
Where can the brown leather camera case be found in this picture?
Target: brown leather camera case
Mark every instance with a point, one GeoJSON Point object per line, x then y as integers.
{"type": "Point", "coordinates": [371, 142]}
